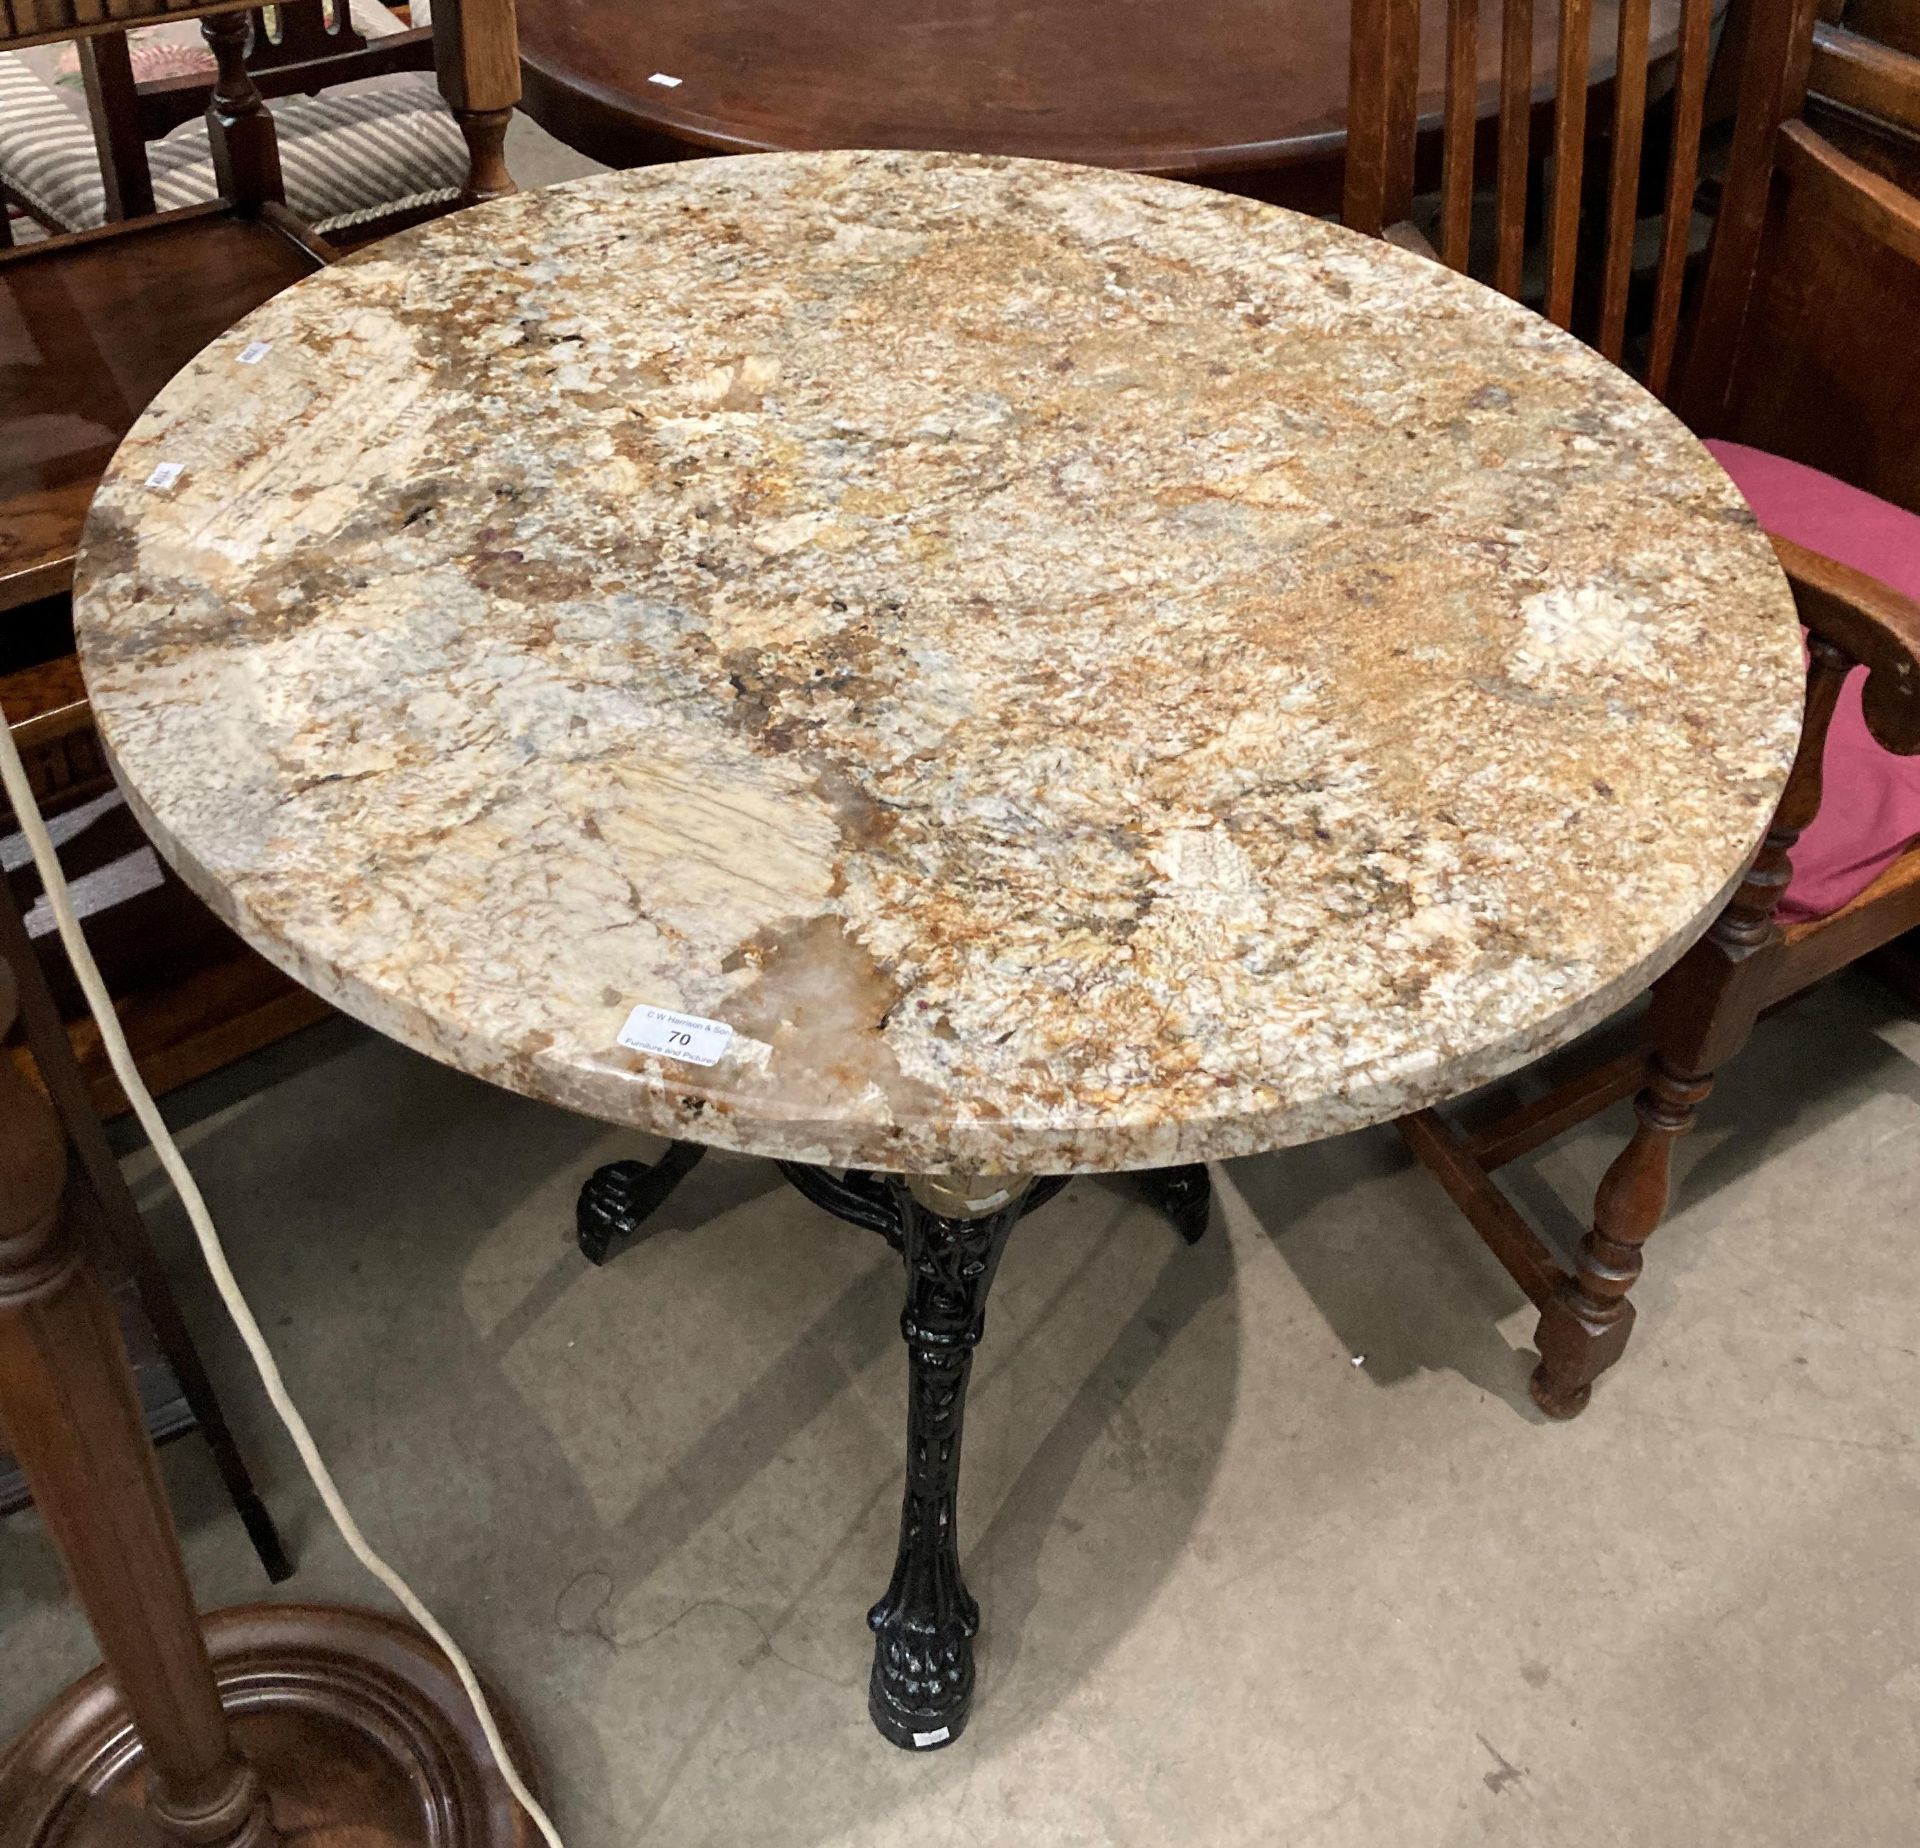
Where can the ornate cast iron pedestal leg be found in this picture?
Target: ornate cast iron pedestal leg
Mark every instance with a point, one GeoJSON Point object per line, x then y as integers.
{"type": "Point", "coordinates": [954, 1229]}
{"type": "Point", "coordinates": [951, 1231]}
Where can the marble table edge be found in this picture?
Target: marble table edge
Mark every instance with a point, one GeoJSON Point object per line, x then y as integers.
{"type": "Point", "coordinates": [663, 1099]}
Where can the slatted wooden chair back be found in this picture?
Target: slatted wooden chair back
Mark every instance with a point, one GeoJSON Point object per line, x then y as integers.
{"type": "Point", "coordinates": [1387, 114]}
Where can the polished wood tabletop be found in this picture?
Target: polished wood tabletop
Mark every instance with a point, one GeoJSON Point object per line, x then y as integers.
{"type": "Point", "coordinates": [1228, 90]}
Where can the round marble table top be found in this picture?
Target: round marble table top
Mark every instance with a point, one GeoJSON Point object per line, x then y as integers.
{"type": "Point", "coordinates": [1062, 670]}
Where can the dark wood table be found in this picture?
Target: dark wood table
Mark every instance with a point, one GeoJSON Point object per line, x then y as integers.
{"type": "Point", "coordinates": [1249, 95]}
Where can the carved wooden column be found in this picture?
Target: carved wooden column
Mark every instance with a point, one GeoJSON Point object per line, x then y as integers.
{"type": "Point", "coordinates": [72, 1418]}
{"type": "Point", "coordinates": [332, 1727]}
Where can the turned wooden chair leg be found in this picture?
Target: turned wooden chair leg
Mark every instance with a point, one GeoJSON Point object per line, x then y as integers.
{"type": "Point", "coordinates": [476, 54]}
{"type": "Point", "coordinates": [485, 132]}
{"type": "Point", "coordinates": [1704, 1009]}
{"type": "Point", "coordinates": [1585, 1324]}
{"type": "Point", "coordinates": [240, 131]}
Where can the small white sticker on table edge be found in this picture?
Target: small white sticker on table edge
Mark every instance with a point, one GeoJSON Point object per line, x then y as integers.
{"type": "Point", "coordinates": [676, 1036]}
{"type": "Point", "coordinates": [165, 474]}
{"type": "Point", "coordinates": [938, 1737]}
{"type": "Point", "coordinates": [661, 77]}
{"type": "Point", "coordinates": [254, 352]}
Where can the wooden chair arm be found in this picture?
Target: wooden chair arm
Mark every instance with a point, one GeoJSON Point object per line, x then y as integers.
{"type": "Point", "coordinates": [1707, 1003]}
{"type": "Point", "coordinates": [1859, 73]}
{"type": "Point", "coordinates": [1870, 624]}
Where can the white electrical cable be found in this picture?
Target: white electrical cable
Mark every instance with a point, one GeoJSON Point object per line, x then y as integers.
{"type": "Point", "coordinates": [27, 812]}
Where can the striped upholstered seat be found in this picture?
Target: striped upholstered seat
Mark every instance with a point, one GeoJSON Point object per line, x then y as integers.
{"type": "Point", "coordinates": [358, 151]}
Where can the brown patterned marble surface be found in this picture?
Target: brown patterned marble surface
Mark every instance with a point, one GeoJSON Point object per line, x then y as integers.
{"type": "Point", "coordinates": [1075, 671]}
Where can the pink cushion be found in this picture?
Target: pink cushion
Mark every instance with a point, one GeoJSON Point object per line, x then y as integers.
{"type": "Point", "coordinates": [1870, 808]}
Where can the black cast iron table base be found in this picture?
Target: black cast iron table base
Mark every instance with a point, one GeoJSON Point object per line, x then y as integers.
{"type": "Point", "coordinates": [950, 1233]}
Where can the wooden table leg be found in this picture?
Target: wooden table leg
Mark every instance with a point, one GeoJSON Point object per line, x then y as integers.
{"type": "Point", "coordinates": [265, 1725]}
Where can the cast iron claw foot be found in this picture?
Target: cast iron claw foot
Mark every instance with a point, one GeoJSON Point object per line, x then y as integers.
{"type": "Point", "coordinates": [1183, 1195]}
{"type": "Point", "coordinates": [921, 1691]}
{"type": "Point", "coordinates": [621, 1197]}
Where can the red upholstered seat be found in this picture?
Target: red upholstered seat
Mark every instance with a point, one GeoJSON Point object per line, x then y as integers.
{"type": "Point", "coordinates": [1870, 806]}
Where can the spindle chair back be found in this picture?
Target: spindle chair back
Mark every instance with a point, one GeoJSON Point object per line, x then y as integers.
{"type": "Point", "coordinates": [1386, 118]}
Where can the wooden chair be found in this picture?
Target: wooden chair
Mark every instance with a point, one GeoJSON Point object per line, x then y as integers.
{"type": "Point", "coordinates": [1863, 700]}
{"type": "Point", "coordinates": [357, 163]}
{"type": "Point", "coordinates": [95, 322]}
